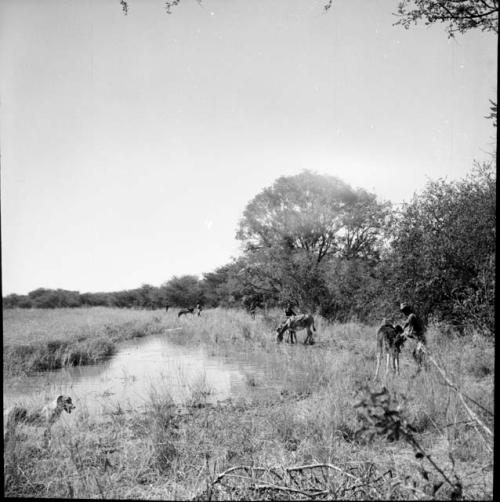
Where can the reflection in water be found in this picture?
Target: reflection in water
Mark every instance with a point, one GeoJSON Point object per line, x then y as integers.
{"type": "Point", "coordinates": [142, 368]}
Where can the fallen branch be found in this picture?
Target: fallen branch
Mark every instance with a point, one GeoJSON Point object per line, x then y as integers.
{"type": "Point", "coordinates": [283, 479]}
{"type": "Point", "coordinates": [290, 489]}
{"type": "Point", "coordinates": [459, 393]}
{"type": "Point", "coordinates": [328, 466]}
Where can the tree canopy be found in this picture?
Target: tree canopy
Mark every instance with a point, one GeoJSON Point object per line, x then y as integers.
{"type": "Point", "coordinates": [292, 229]}
{"type": "Point", "coordinates": [319, 214]}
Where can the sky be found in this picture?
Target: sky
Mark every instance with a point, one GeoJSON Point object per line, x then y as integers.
{"type": "Point", "coordinates": [130, 145]}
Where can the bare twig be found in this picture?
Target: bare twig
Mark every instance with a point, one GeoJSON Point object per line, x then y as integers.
{"type": "Point", "coordinates": [315, 466]}
{"type": "Point", "coordinates": [289, 489]}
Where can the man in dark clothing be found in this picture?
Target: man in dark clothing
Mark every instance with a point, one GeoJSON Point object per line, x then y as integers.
{"type": "Point", "coordinates": [289, 311]}
{"type": "Point", "coordinates": [415, 328]}
{"type": "Point", "coordinates": [414, 324]}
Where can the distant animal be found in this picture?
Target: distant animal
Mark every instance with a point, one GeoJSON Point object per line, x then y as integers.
{"type": "Point", "coordinates": [190, 310]}
{"type": "Point", "coordinates": [390, 340]}
{"type": "Point", "coordinates": [45, 416]}
{"type": "Point", "coordinates": [252, 311]}
{"type": "Point", "coordinates": [198, 309]}
{"type": "Point", "coordinates": [251, 303]}
{"type": "Point", "coordinates": [296, 323]}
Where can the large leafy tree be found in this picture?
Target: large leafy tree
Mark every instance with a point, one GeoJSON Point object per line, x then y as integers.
{"type": "Point", "coordinates": [291, 229]}
{"type": "Point", "coordinates": [318, 214]}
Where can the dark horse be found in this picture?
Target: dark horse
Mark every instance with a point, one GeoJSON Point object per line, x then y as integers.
{"type": "Point", "coordinates": [189, 310]}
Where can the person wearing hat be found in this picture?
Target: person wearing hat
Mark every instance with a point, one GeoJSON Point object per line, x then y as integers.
{"type": "Point", "coordinates": [416, 330]}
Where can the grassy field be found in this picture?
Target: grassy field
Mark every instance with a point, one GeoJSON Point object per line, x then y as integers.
{"type": "Point", "coordinates": [44, 339]}
{"type": "Point", "coordinates": [327, 430]}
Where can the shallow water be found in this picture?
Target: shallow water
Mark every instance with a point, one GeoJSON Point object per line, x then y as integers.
{"type": "Point", "coordinates": [142, 368]}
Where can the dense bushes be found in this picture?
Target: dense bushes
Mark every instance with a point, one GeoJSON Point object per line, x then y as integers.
{"type": "Point", "coordinates": [444, 250]}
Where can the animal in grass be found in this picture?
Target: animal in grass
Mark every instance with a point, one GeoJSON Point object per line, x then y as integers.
{"type": "Point", "coordinates": [167, 307]}
{"type": "Point", "coordinates": [415, 329]}
{"type": "Point", "coordinates": [390, 341]}
{"type": "Point", "coordinates": [44, 417]}
{"type": "Point", "coordinates": [198, 309]}
{"type": "Point", "coordinates": [252, 311]}
{"type": "Point", "coordinates": [297, 323]}
{"type": "Point", "coordinates": [189, 310]}
{"type": "Point", "coordinates": [252, 307]}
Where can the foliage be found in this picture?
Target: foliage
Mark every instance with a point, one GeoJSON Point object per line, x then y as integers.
{"type": "Point", "coordinates": [357, 290]}
{"type": "Point", "coordinates": [13, 301]}
{"type": "Point", "coordinates": [458, 15]}
{"type": "Point", "coordinates": [223, 286]}
{"type": "Point", "coordinates": [493, 113]}
{"type": "Point", "coordinates": [444, 249]}
{"type": "Point", "coordinates": [49, 298]}
{"type": "Point", "coordinates": [184, 291]}
{"type": "Point", "coordinates": [319, 214]}
{"type": "Point", "coordinates": [292, 229]}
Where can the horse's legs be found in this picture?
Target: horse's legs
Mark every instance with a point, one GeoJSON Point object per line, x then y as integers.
{"type": "Point", "coordinates": [379, 356]}
{"type": "Point", "coordinates": [308, 340]}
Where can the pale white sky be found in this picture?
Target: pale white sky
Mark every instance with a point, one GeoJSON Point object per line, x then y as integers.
{"type": "Point", "coordinates": [130, 145]}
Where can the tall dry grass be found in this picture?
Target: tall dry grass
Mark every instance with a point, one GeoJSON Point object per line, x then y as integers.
{"type": "Point", "coordinates": [309, 416]}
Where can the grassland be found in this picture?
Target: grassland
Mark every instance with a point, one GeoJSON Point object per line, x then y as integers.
{"type": "Point", "coordinates": [43, 339]}
{"type": "Point", "coordinates": [310, 419]}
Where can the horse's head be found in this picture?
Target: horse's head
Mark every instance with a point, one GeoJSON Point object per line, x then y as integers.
{"type": "Point", "coordinates": [281, 329]}
{"type": "Point", "coordinates": [401, 337]}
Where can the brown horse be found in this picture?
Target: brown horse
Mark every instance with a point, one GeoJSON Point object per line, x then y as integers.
{"type": "Point", "coordinates": [296, 323]}
{"type": "Point", "coordinates": [189, 310]}
{"type": "Point", "coordinates": [390, 340]}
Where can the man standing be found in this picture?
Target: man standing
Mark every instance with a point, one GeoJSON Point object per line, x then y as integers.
{"type": "Point", "coordinates": [289, 311]}
{"type": "Point", "coordinates": [415, 328]}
